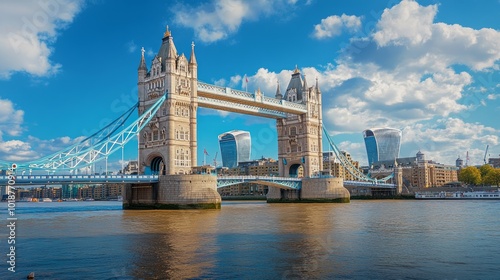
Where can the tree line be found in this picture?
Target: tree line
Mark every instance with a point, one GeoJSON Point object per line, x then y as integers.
{"type": "Point", "coordinates": [485, 175]}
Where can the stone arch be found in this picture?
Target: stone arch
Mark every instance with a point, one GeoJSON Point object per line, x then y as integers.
{"type": "Point", "coordinates": [295, 170]}
{"type": "Point", "coordinates": [156, 164]}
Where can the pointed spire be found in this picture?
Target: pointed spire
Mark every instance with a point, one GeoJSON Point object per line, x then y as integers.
{"type": "Point", "coordinates": [142, 64]}
{"type": "Point", "coordinates": [304, 88]}
{"type": "Point", "coordinates": [192, 59]}
{"type": "Point", "coordinates": [278, 91]}
{"type": "Point", "coordinates": [317, 86]}
{"type": "Point", "coordinates": [167, 33]}
{"type": "Point", "coordinates": [167, 49]}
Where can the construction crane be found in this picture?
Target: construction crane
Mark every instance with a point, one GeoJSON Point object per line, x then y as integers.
{"type": "Point", "coordinates": [215, 159]}
{"type": "Point", "coordinates": [485, 153]}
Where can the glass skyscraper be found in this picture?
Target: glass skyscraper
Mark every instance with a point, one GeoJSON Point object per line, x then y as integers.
{"type": "Point", "coordinates": [382, 144]}
{"type": "Point", "coordinates": [235, 147]}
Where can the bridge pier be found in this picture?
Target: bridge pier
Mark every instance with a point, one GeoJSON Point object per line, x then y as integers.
{"type": "Point", "coordinates": [313, 190]}
{"type": "Point", "coordinates": [174, 192]}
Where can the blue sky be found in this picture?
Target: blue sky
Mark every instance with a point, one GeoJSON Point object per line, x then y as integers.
{"type": "Point", "coordinates": [430, 68]}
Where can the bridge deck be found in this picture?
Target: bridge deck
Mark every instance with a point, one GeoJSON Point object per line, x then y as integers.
{"type": "Point", "coordinates": [78, 179]}
{"type": "Point", "coordinates": [222, 181]}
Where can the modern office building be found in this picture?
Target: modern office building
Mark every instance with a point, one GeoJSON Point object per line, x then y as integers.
{"type": "Point", "coordinates": [495, 162]}
{"type": "Point", "coordinates": [382, 144]}
{"type": "Point", "coordinates": [235, 147]}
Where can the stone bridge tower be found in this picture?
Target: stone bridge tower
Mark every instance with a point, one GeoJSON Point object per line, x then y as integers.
{"type": "Point", "coordinates": [300, 136]}
{"type": "Point", "coordinates": [168, 144]}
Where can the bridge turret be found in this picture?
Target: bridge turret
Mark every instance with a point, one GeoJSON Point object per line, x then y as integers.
{"type": "Point", "coordinates": [300, 136]}
{"type": "Point", "coordinates": [167, 52]}
{"type": "Point", "coordinates": [168, 145]}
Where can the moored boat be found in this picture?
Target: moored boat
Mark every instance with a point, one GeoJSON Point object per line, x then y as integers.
{"type": "Point", "coordinates": [459, 195]}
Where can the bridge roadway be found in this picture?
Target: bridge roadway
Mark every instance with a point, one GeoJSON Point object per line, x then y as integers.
{"type": "Point", "coordinates": [222, 181]}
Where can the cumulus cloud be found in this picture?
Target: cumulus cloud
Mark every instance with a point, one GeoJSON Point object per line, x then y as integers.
{"type": "Point", "coordinates": [33, 148]}
{"type": "Point", "coordinates": [16, 150]}
{"type": "Point", "coordinates": [404, 72]}
{"type": "Point", "coordinates": [11, 119]}
{"type": "Point", "coordinates": [405, 75]}
{"type": "Point", "coordinates": [218, 19]}
{"type": "Point", "coordinates": [334, 25]}
{"type": "Point", "coordinates": [450, 138]}
{"type": "Point", "coordinates": [29, 28]}
{"type": "Point", "coordinates": [407, 22]}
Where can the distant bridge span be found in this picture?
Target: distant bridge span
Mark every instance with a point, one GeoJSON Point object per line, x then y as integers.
{"type": "Point", "coordinates": [222, 181]}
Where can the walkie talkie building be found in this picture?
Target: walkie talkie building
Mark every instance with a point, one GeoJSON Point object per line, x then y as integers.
{"type": "Point", "coordinates": [235, 147]}
{"type": "Point", "coordinates": [382, 144]}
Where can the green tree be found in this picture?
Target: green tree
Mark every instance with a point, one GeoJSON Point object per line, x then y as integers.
{"type": "Point", "coordinates": [470, 175]}
{"type": "Point", "coordinates": [492, 177]}
{"type": "Point", "coordinates": [485, 169]}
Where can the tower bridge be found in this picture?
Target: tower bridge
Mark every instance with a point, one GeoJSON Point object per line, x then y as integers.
{"type": "Point", "coordinates": [169, 94]}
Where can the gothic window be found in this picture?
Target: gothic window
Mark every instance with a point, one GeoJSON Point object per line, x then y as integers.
{"type": "Point", "coordinates": [150, 137]}
{"type": "Point", "coordinates": [177, 111]}
{"type": "Point", "coordinates": [156, 135]}
{"type": "Point", "coordinates": [293, 131]}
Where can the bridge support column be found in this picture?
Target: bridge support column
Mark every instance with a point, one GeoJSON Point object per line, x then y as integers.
{"type": "Point", "coordinates": [139, 196]}
{"type": "Point", "coordinates": [175, 192]}
{"type": "Point", "coordinates": [324, 190]}
{"type": "Point", "coordinates": [313, 190]}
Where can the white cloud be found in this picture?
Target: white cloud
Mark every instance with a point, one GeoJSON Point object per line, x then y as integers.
{"type": "Point", "coordinates": [16, 150]}
{"type": "Point", "coordinates": [403, 75]}
{"type": "Point", "coordinates": [11, 119]}
{"type": "Point", "coordinates": [219, 19]}
{"type": "Point", "coordinates": [33, 148]}
{"type": "Point", "coordinates": [29, 28]}
{"type": "Point", "coordinates": [407, 22]}
{"type": "Point", "coordinates": [131, 46]}
{"type": "Point", "coordinates": [449, 138]}
{"type": "Point", "coordinates": [434, 45]}
{"type": "Point", "coordinates": [333, 25]}
{"type": "Point", "coordinates": [493, 96]}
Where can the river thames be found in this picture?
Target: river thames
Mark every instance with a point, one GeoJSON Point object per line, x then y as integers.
{"type": "Point", "coordinates": [375, 239]}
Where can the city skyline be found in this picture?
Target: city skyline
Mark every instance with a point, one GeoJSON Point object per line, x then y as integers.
{"type": "Point", "coordinates": [433, 75]}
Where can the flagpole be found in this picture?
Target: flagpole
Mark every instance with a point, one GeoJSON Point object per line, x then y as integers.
{"type": "Point", "coordinates": [246, 83]}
